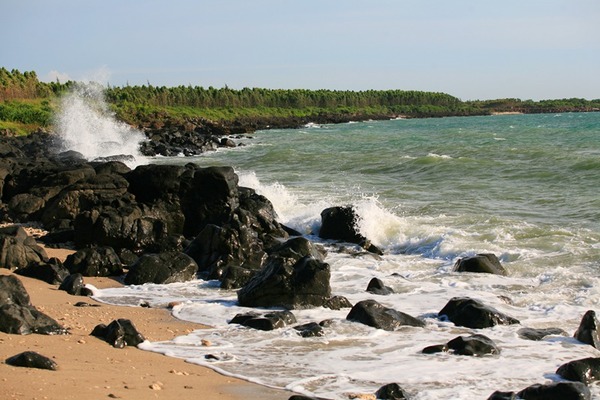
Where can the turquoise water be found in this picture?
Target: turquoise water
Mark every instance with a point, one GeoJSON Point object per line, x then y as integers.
{"type": "Point", "coordinates": [428, 191]}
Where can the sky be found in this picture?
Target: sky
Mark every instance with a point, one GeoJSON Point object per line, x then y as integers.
{"type": "Point", "coordinates": [472, 49]}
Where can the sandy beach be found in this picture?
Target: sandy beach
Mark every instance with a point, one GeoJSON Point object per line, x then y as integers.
{"type": "Point", "coordinates": [89, 368]}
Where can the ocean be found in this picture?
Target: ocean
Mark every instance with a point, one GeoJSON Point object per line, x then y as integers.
{"type": "Point", "coordinates": [427, 192]}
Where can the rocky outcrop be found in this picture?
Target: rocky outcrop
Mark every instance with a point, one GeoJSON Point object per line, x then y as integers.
{"type": "Point", "coordinates": [18, 315]}
{"type": "Point", "coordinates": [95, 261]}
{"type": "Point", "coordinates": [483, 263]}
{"type": "Point", "coordinates": [372, 313]}
{"type": "Point", "coordinates": [52, 272]}
{"type": "Point", "coordinates": [471, 313]}
{"type": "Point", "coordinates": [18, 249]}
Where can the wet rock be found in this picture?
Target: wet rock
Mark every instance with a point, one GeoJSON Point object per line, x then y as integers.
{"type": "Point", "coordinates": [337, 303]}
{"type": "Point", "coordinates": [311, 329]}
{"type": "Point", "coordinates": [586, 370]}
{"type": "Point", "coordinates": [372, 313]}
{"type": "Point", "coordinates": [539, 334]}
{"type": "Point", "coordinates": [162, 268]}
{"type": "Point", "coordinates": [471, 313]}
{"type": "Point", "coordinates": [391, 391]}
{"type": "Point", "coordinates": [31, 359]}
{"type": "Point", "coordinates": [376, 286]}
{"type": "Point", "coordinates": [587, 332]}
{"type": "Point", "coordinates": [119, 333]}
{"type": "Point", "coordinates": [96, 261]}
{"type": "Point", "coordinates": [340, 223]}
{"type": "Point", "coordinates": [236, 277]}
{"type": "Point", "coordinates": [556, 391]}
{"type": "Point", "coordinates": [483, 263]}
{"type": "Point", "coordinates": [265, 322]}
{"type": "Point", "coordinates": [474, 345]}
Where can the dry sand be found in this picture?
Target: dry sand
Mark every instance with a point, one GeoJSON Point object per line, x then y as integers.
{"type": "Point", "coordinates": [89, 368]}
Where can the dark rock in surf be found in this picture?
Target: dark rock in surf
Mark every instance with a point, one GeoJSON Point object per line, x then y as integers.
{"type": "Point", "coordinates": [52, 272]}
{"type": "Point", "coordinates": [471, 313]}
{"type": "Point", "coordinates": [587, 332]}
{"type": "Point", "coordinates": [539, 334]}
{"type": "Point", "coordinates": [311, 329]}
{"type": "Point", "coordinates": [265, 322]}
{"type": "Point", "coordinates": [372, 313]}
{"type": "Point", "coordinates": [550, 391]}
{"type": "Point", "coordinates": [337, 303]}
{"type": "Point", "coordinates": [483, 263]}
{"type": "Point", "coordinates": [391, 391]}
{"type": "Point", "coordinates": [74, 285]}
{"type": "Point", "coordinates": [586, 370]}
{"type": "Point", "coordinates": [474, 345]}
{"type": "Point", "coordinates": [119, 333]}
{"type": "Point", "coordinates": [18, 315]}
{"type": "Point", "coordinates": [95, 261]}
{"type": "Point", "coordinates": [31, 359]}
{"type": "Point", "coordinates": [340, 223]}
{"type": "Point", "coordinates": [376, 286]}
{"type": "Point", "coordinates": [162, 268]}
{"type": "Point", "coordinates": [236, 277]}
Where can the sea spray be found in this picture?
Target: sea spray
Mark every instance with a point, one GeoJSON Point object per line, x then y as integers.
{"type": "Point", "coordinates": [86, 125]}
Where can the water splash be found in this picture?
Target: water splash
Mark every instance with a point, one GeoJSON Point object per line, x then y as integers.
{"type": "Point", "coordinates": [86, 124]}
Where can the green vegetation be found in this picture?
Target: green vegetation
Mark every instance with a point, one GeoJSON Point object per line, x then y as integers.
{"type": "Point", "coordinates": [27, 104]}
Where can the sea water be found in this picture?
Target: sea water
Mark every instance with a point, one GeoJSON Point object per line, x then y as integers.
{"type": "Point", "coordinates": [428, 192]}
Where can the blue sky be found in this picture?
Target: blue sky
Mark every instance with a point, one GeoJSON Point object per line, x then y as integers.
{"type": "Point", "coordinates": [476, 49]}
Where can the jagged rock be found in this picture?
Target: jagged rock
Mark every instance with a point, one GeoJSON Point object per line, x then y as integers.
{"type": "Point", "coordinates": [119, 333]}
{"type": "Point", "coordinates": [31, 359]}
{"type": "Point", "coordinates": [485, 263]}
{"type": "Point", "coordinates": [236, 277]}
{"type": "Point", "coordinates": [73, 284]}
{"type": "Point", "coordinates": [474, 345]}
{"type": "Point", "coordinates": [289, 283]}
{"type": "Point", "coordinates": [96, 261]}
{"type": "Point", "coordinates": [340, 223]}
{"type": "Point", "coordinates": [391, 391]}
{"type": "Point", "coordinates": [587, 332]}
{"type": "Point", "coordinates": [265, 322]}
{"type": "Point", "coordinates": [586, 370]}
{"type": "Point", "coordinates": [376, 286]}
{"type": "Point", "coordinates": [539, 334]}
{"type": "Point", "coordinates": [372, 313]}
{"type": "Point", "coordinates": [18, 316]}
{"type": "Point", "coordinates": [471, 313]}
{"type": "Point", "coordinates": [162, 268]}
{"type": "Point", "coordinates": [52, 272]}
{"type": "Point", "coordinates": [18, 250]}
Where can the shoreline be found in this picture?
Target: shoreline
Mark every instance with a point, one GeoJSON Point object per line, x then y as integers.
{"type": "Point", "coordinates": [89, 368]}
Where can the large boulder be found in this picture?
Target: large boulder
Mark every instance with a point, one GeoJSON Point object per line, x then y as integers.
{"type": "Point", "coordinates": [290, 279]}
{"type": "Point", "coordinates": [471, 313]}
{"type": "Point", "coordinates": [485, 263]}
{"type": "Point", "coordinates": [19, 250]}
{"type": "Point", "coordinates": [52, 272]}
{"type": "Point", "coordinates": [18, 315]}
{"type": "Point", "coordinates": [152, 182]}
{"type": "Point", "coordinates": [162, 268]}
{"type": "Point", "coordinates": [95, 261]}
{"type": "Point", "coordinates": [372, 313]}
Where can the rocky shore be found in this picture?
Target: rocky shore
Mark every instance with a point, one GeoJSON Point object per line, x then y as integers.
{"type": "Point", "coordinates": [171, 223]}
